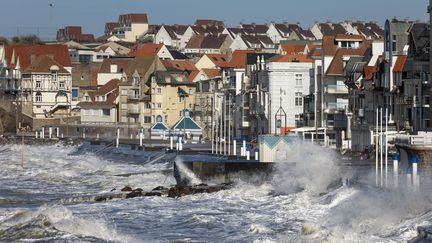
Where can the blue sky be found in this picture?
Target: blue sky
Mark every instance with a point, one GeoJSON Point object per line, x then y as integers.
{"type": "Point", "coordinates": [37, 17]}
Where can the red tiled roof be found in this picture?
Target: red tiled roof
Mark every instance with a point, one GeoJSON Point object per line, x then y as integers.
{"type": "Point", "coordinates": [28, 53]}
{"type": "Point", "coordinates": [133, 18]}
{"type": "Point", "coordinates": [368, 72]}
{"type": "Point", "coordinates": [331, 48]}
{"type": "Point", "coordinates": [291, 58]}
{"type": "Point", "coordinates": [43, 64]}
{"type": "Point", "coordinates": [400, 63]}
{"type": "Point", "coordinates": [211, 73]}
{"type": "Point", "coordinates": [182, 65]}
{"type": "Point", "coordinates": [219, 60]}
{"type": "Point", "coordinates": [147, 50]}
{"type": "Point", "coordinates": [193, 75]}
{"type": "Point", "coordinates": [238, 59]}
{"type": "Point", "coordinates": [293, 49]}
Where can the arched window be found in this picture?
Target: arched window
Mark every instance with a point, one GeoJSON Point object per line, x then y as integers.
{"type": "Point", "coordinates": [159, 118]}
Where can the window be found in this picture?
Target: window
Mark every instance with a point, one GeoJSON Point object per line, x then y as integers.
{"type": "Point", "coordinates": [166, 118]}
{"type": "Point", "coordinates": [38, 84]}
{"type": "Point", "coordinates": [158, 90]}
{"type": "Point", "coordinates": [347, 44]}
{"type": "Point", "coordinates": [299, 79]}
{"type": "Point", "coordinates": [190, 91]}
{"type": "Point", "coordinates": [61, 84]}
{"type": "Point", "coordinates": [159, 105]}
{"type": "Point", "coordinates": [87, 98]}
{"type": "Point", "coordinates": [106, 112]}
{"type": "Point", "coordinates": [147, 119]}
{"type": "Point", "coordinates": [136, 81]}
{"type": "Point", "coordinates": [147, 105]}
{"type": "Point", "coordinates": [427, 123]}
{"type": "Point", "coordinates": [298, 99]}
{"type": "Point", "coordinates": [159, 118]}
{"type": "Point", "coordinates": [74, 93]}
{"type": "Point", "coordinates": [124, 92]}
{"type": "Point", "coordinates": [123, 106]}
{"type": "Point", "coordinates": [394, 43]}
{"type": "Point", "coordinates": [38, 97]}
{"type": "Point", "coordinates": [427, 101]}
{"type": "Point", "coordinates": [136, 94]}
{"type": "Point", "coordinates": [181, 98]}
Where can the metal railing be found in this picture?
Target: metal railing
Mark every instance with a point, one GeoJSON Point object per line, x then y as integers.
{"type": "Point", "coordinates": [336, 89]}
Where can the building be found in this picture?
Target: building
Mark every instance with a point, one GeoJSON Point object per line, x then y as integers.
{"type": "Point", "coordinates": [46, 87]}
{"type": "Point", "coordinates": [170, 35]}
{"type": "Point", "coordinates": [100, 106]}
{"type": "Point", "coordinates": [276, 105]}
{"type": "Point", "coordinates": [129, 28]}
{"type": "Point", "coordinates": [39, 76]}
{"type": "Point", "coordinates": [73, 33]}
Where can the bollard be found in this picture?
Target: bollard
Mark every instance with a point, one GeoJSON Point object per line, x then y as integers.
{"type": "Point", "coordinates": [36, 134]}
{"type": "Point", "coordinates": [131, 136]}
{"type": "Point", "coordinates": [50, 132]}
{"type": "Point", "coordinates": [396, 169]}
{"type": "Point", "coordinates": [244, 147]}
{"type": "Point", "coordinates": [180, 144]}
{"type": "Point", "coordinates": [97, 136]}
{"type": "Point", "coordinates": [177, 145]}
{"type": "Point", "coordinates": [58, 132]}
{"type": "Point", "coordinates": [141, 137]}
{"type": "Point", "coordinates": [415, 176]}
{"type": "Point", "coordinates": [235, 147]}
{"type": "Point", "coordinates": [43, 133]}
{"type": "Point", "coordinates": [256, 153]}
{"type": "Point", "coordinates": [83, 135]}
{"type": "Point", "coordinates": [171, 142]}
{"type": "Point", "coordinates": [118, 138]}
{"type": "Point", "coordinates": [247, 154]}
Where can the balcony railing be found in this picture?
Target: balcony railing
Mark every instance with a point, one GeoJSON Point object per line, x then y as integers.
{"type": "Point", "coordinates": [336, 89]}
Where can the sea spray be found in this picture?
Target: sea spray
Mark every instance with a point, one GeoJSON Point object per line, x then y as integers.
{"type": "Point", "coordinates": [186, 173]}
{"type": "Point", "coordinates": [309, 167]}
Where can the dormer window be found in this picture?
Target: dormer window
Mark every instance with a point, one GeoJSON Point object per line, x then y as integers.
{"type": "Point", "coordinates": [349, 44]}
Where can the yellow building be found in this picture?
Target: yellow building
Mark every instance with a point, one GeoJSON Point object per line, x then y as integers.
{"type": "Point", "coordinates": [171, 94]}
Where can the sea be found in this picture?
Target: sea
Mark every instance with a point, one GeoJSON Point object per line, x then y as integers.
{"type": "Point", "coordinates": [47, 192]}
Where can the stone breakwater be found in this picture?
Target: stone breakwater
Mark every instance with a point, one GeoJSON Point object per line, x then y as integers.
{"type": "Point", "coordinates": [172, 192]}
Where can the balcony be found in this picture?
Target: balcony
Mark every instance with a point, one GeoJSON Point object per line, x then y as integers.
{"type": "Point", "coordinates": [133, 112]}
{"type": "Point", "coordinates": [336, 89]}
{"type": "Point", "coordinates": [335, 107]}
{"type": "Point", "coordinates": [133, 98]}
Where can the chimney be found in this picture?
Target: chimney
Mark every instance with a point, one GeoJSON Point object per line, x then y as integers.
{"type": "Point", "coordinates": [32, 58]}
{"type": "Point", "coordinates": [113, 68]}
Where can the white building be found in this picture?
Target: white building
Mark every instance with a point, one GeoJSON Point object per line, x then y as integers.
{"type": "Point", "coordinates": [50, 87]}
{"type": "Point", "coordinates": [288, 80]}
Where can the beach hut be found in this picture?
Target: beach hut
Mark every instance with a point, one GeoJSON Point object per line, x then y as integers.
{"type": "Point", "coordinates": [159, 131]}
{"type": "Point", "coordinates": [189, 127]}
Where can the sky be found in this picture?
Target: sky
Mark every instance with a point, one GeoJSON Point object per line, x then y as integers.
{"type": "Point", "coordinates": [20, 17]}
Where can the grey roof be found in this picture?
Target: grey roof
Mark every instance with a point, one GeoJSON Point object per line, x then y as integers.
{"type": "Point", "coordinates": [178, 55]}
{"type": "Point", "coordinates": [159, 126]}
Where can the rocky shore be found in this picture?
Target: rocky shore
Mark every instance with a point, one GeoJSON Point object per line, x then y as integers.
{"type": "Point", "coordinates": [173, 192]}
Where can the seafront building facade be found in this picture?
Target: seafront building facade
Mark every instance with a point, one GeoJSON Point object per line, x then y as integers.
{"type": "Point", "coordinates": [245, 80]}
